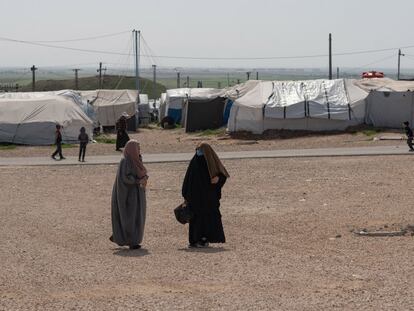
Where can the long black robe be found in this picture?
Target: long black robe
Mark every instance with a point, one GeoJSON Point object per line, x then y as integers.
{"type": "Point", "coordinates": [204, 201]}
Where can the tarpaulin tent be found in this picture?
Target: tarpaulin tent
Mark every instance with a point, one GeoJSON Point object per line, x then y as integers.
{"type": "Point", "coordinates": [390, 109]}
{"type": "Point", "coordinates": [110, 104]}
{"type": "Point", "coordinates": [316, 105]}
{"type": "Point", "coordinates": [75, 96]}
{"type": "Point", "coordinates": [162, 110]}
{"type": "Point", "coordinates": [203, 109]}
{"type": "Point", "coordinates": [174, 103]}
{"type": "Point", "coordinates": [32, 120]}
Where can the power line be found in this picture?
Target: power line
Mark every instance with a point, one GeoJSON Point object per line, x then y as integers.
{"type": "Point", "coordinates": [205, 58]}
{"type": "Point", "coordinates": [84, 39]}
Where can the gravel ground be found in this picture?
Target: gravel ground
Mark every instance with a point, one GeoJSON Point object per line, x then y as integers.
{"type": "Point", "coordinates": [160, 141]}
{"type": "Point", "coordinates": [282, 219]}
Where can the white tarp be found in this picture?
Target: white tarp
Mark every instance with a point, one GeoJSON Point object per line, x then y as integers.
{"type": "Point", "coordinates": [73, 95]}
{"type": "Point", "coordinates": [390, 109]}
{"type": "Point", "coordinates": [325, 99]}
{"type": "Point", "coordinates": [110, 104]}
{"type": "Point", "coordinates": [32, 120]}
{"type": "Point", "coordinates": [347, 108]}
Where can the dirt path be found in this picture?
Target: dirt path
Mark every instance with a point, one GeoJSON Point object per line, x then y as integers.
{"type": "Point", "coordinates": [161, 141]}
{"type": "Point", "coordinates": [281, 218]}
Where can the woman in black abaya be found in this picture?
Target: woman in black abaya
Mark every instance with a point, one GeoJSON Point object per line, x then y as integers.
{"type": "Point", "coordinates": [201, 190]}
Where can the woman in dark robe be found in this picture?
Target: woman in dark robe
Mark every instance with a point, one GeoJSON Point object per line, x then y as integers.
{"type": "Point", "coordinates": [201, 190]}
{"type": "Point", "coordinates": [128, 199]}
{"type": "Point", "coordinates": [121, 132]}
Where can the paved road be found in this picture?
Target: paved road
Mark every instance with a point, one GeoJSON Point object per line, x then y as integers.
{"type": "Point", "coordinates": [183, 157]}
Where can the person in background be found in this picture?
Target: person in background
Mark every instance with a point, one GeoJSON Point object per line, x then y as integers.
{"type": "Point", "coordinates": [128, 198]}
{"type": "Point", "coordinates": [58, 143]}
{"type": "Point", "coordinates": [121, 132]}
{"type": "Point", "coordinates": [83, 141]}
{"type": "Point", "coordinates": [201, 190]}
{"type": "Point", "coordinates": [409, 133]}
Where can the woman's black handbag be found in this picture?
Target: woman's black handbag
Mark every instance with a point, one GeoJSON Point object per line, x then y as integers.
{"type": "Point", "coordinates": [183, 213]}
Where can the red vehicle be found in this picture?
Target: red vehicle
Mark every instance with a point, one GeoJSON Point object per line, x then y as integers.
{"type": "Point", "coordinates": [372, 74]}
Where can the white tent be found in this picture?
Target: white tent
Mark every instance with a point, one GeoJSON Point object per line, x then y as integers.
{"type": "Point", "coordinates": [163, 107]}
{"type": "Point", "coordinates": [390, 109]}
{"type": "Point", "coordinates": [110, 104]}
{"type": "Point", "coordinates": [176, 98]}
{"type": "Point", "coordinates": [33, 120]}
{"type": "Point", "coordinates": [72, 95]}
{"type": "Point", "coordinates": [315, 105]}
{"type": "Point", "coordinates": [385, 84]}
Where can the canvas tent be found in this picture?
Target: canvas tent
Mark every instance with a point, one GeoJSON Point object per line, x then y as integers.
{"type": "Point", "coordinates": [389, 102]}
{"type": "Point", "coordinates": [203, 109]}
{"type": "Point", "coordinates": [390, 109]}
{"type": "Point", "coordinates": [315, 105]}
{"type": "Point", "coordinates": [385, 84]}
{"type": "Point", "coordinates": [70, 94]}
{"type": "Point", "coordinates": [162, 110]}
{"type": "Point", "coordinates": [174, 103]}
{"type": "Point", "coordinates": [32, 120]}
{"type": "Point", "coordinates": [110, 104]}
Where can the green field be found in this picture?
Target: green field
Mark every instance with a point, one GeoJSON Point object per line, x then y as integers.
{"type": "Point", "coordinates": [92, 83]}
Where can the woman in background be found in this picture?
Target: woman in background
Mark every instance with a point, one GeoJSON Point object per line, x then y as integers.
{"type": "Point", "coordinates": [201, 190]}
{"type": "Point", "coordinates": [128, 198]}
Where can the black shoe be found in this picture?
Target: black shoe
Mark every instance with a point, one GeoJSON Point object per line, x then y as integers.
{"type": "Point", "coordinates": [135, 247]}
{"type": "Point", "coordinates": [53, 157]}
{"type": "Point", "coordinates": [62, 158]}
{"type": "Point", "coordinates": [79, 160]}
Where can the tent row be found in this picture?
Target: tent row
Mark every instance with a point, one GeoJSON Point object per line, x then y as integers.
{"type": "Point", "coordinates": [30, 117]}
{"type": "Point", "coordinates": [314, 105]}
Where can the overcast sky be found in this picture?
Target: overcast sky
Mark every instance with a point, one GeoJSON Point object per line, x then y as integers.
{"type": "Point", "coordinates": [213, 28]}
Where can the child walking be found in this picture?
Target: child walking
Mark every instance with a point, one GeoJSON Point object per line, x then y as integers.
{"type": "Point", "coordinates": [83, 141]}
{"type": "Point", "coordinates": [58, 143]}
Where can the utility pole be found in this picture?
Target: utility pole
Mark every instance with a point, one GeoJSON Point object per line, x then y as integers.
{"type": "Point", "coordinates": [337, 72]}
{"type": "Point", "coordinates": [399, 62]}
{"type": "Point", "coordinates": [188, 81]}
{"type": "Point", "coordinates": [137, 38]}
{"type": "Point", "coordinates": [330, 56]}
{"type": "Point", "coordinates": [100, 74]}
{"type": "Point", "coordinates": [257, 75]}
{"type": "Point", "coordinates": [33, 69]}
{"type": "Point", "coordinates": [76, 78]}
{"type": "Point", "coordinates": [178, 80]}
{"type": "Point", "coordinates": [154, 82]}
{"type": "Point", "coordinates": [248, 75]}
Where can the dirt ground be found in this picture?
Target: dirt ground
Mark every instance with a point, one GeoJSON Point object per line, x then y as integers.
{"type": "Point", "coordinates": [288, 225]}
{"type": "Point", "coordinates": [156, 140]}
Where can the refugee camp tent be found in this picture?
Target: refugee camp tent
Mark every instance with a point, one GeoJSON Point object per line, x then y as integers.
{"type": "Point", "coordinates": [389, 103]}
{"type": "Point", "coordinates": [385, 84]}
{"type": "Point", "coordinates": [32, 120]}
{"type": "Point", "coordinates": [390, 109]}
{"type": "Point", "coordinates": [143, 109]}
{"type": "Point", "coordinates": [174, 103]}
{"type": "Point", "coordinates": [203, 109]}
{"type": "Point", "coordinates": [315, 105]}
{"type": "Point", "coordinates": [75, 96]}
{"type": "Point", "coordinates": [163, 107]}
{"type": "Point", "coordinates": [110, 104]}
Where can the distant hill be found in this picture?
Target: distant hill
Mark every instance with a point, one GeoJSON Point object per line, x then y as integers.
{"type": "Point", "coordinates": [92, 83]}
